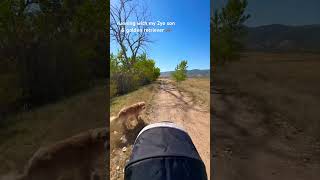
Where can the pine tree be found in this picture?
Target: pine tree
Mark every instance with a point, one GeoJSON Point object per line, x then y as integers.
{"type": "Point", "coordinates": [180, 73]}
{"type": "Point", "coordinates": [228, 30]}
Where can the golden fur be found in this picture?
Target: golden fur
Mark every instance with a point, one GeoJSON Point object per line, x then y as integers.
{"type": "Point", "coordinates": [129, 114]}
{"type": "Point", "coordinates": [81, 157]}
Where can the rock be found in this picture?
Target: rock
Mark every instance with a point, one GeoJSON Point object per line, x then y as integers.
{"type": "Point", "coordinates": [123, 139]}
{"type": "Point", "coordinates": [124, 149]}
{"type": "Point", "coordinates": [228, 150]}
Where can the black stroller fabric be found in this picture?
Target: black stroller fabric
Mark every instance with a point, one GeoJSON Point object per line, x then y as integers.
{"type": "Point", "coordinates": [164, 153]}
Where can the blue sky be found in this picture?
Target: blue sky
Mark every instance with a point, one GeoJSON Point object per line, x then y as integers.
{"type": "Point", "coordinates": [288, 12]}
{"type": "Point", "coordinates": [189, 38]}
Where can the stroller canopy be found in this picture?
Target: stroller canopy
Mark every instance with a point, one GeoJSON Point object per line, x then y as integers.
{"type": "Point", "coordinates": [164, 151]}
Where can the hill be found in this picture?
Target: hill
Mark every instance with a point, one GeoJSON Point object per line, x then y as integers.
{"type": "Point", "coordinates": [277, 37]}
{"type": "Point", "coordinates": [190, 73]}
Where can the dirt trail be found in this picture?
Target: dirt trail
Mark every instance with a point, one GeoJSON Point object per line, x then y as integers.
{"type": "Point", "coordinates": [177, 106]}
{"type": "Point", "coordinates": [253, 142]}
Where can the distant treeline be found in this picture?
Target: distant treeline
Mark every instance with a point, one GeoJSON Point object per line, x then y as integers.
{"type": "Point", "coordinates": [190, 73]}
{"type": "Point", "coordinates": [128, 74]}
{"type": "Point", "coordinates": [50, 49]}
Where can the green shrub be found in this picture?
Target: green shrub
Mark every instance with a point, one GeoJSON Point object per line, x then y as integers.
{"type": "Point", "coordinates": [180, 73]}
{"type": "Point", "coordinates": [128, 78]}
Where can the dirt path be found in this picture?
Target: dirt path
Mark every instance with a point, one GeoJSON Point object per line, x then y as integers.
{"type": "Point", "coordinates": [253, 142]}
{"type": "Point", "coordinates": [172, 104]}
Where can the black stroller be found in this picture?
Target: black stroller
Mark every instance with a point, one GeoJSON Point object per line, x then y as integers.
{"type": "Point", "coordinates": [164, 151]}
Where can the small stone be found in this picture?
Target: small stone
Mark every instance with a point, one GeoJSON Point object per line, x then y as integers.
{"type": "Point", "coordinates": [124, 149]}
{"type": "Point", "coordinates": [115, 132]}
{"type": "Point", "coordinates": [123, 139]}
{"type": "Point", "coordinates": [228, 150]}
{"type": "Point", "coordinates": [118, 167]}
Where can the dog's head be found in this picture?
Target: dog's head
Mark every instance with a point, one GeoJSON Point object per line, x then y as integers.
{"type": "Point", "coordinates": [142, 105]}
{"type": "Point", "coordinates": [100, 134]}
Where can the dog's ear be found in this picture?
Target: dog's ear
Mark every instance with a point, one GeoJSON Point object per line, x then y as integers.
{"type": "Point", "coordinates": [112, 118]}
{"type": "Point", "coordinates": [100, 134]}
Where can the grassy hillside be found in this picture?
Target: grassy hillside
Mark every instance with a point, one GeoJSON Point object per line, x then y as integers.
{"type": "Point", "coordinates": [277, 37]}
{"type": "Point", "coordinates": [26, 132]}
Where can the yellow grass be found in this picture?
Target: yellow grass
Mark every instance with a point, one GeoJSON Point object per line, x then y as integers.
{"type": "Point", "coordinates": [198, 88]}
{"type": "Point", "coordinates": [145, 94]}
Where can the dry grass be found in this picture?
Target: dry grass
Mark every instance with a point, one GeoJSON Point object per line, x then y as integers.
{"type": "Point", "coordinates": [286, 83]}
{"type": "Point", "coordinates": [144, 93]}
{"type": "Point", "coordinates": [199, 88]}
{"type": "Point", "coordinates": [27, 132]}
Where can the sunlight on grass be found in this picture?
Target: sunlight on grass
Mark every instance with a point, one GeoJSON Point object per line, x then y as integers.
{"type": "Point", "coordinates": [144, 93]}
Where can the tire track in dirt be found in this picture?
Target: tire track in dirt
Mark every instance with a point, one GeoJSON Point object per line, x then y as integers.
{"type": "Point", "coordinates": [172, 104]}
{"type": "Point", "coordinates": [254, 142]}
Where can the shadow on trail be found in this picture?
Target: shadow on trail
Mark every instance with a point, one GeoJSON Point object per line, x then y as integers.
{"type": "Point", "coordinates": [244, 128]}
{"type": "Point", "coordinates": [182, 103]}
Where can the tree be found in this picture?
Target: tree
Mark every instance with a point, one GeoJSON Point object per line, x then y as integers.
{"type": "Point", "coordinates": [54, 48]}
{"type": "Point", "coordinates": [125, 80]}
{"type": "Point", "coordinates": [146, 70]}
{"type": "Point", "coordinates": [180, 73]}
{"type": "Point", "coordinates": [131, 43]}
{"type": "Point", "coordinates": [228, 30]}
